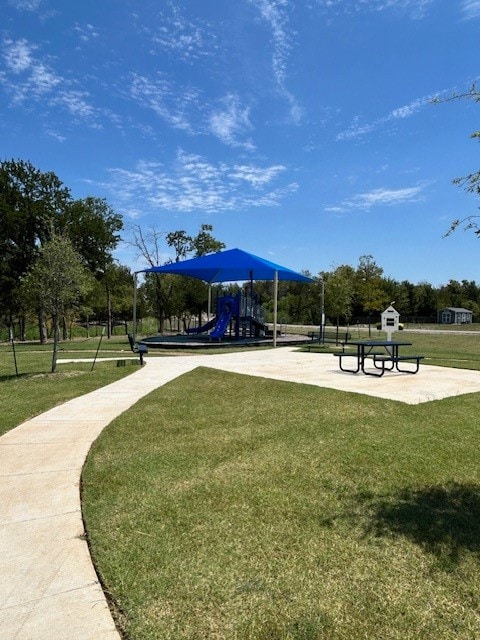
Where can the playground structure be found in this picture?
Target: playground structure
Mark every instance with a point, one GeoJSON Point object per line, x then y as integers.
{"type": "Point", "coordinates": [238, 316]}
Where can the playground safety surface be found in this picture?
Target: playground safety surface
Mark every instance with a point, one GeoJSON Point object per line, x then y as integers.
{"type": "Point", "coordinates": [48, 586]}
{"type": "Point", "coordinates": [203, 341]}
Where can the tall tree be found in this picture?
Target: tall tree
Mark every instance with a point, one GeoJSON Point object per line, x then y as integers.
{"type": "Point", "coordinates": [204, 242]}
{"type": "Point", "coordinates": [369, 285]}
{"type": "Point", "coordinates": [94, 229]}
{"type": "Point", "coordinates": [30, 202]}
{"type": "Point", "coordinates": [339, 289]}
{"type": "Point", "coordinates": [34, 206]}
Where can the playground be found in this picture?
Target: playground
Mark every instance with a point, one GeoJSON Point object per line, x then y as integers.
{"type": "Point", "coordinates": [239, 321]}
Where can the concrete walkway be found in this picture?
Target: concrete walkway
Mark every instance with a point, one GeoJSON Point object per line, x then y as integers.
{"type": "Point", "coordinates": [48, 587]}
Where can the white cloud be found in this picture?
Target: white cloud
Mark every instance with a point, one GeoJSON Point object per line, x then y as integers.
{"type": "Point", "coordinates": [29, 77]}
{"type": "Point", "coordinates": [408, 110]}
{"type": "Point", "coordinates": [168, 101]}
{"type": "Point", "coordinates": [379, 197]}
{"type": "Point", "coordinates": [273, 12]}
{"type": "Point", "coordinates": [26, 5]}
{"type": "Point", "coordinates": [194, 184]}
{"type": "Point", "coordinates": [230, 122]}
{"type": "Point", "coordinates": [18, 55]}
{"type": "Point", "coordinates": [183, 108]}
{"type": "Point", "coordinates": [417, 9]}
{"type": "Point", "coordinates": [76, 103]}
{"type": "Point", "coordinates": [256, 176]}
{"type": "Point", "coordinates": [87, 32]}
{"type": "Point", "coordinates": [470, 9]}
{"type": "Point", "coordinates": [182, 38]}
{"type": "Point", "coordinates": [358, 129]}
{"type": "Point", "coordinates": [55, 134]}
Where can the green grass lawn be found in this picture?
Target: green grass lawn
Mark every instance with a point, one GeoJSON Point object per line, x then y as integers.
{"type": "Point", "coordinates": [230, 507]}
{"type": "Point", "coordinates": [35, 389]}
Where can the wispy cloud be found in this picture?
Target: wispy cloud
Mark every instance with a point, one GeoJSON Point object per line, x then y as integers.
{"type": "Point", "coordinates": [470, 9]}
{"type": "Point", "coordinates": [274, 13]}
{"type": "Point", "coordinates": [18, 55]}
{"type": "Point", "coordinates": [86, 32]}
{"type": "Point", "coordinates": [379, 197]}
{"type": "Point", "coordinates": [183, 38]}
{"type": "Point", "coordinates": [27, 79]}
{"type": "Point", "coordinates": [417, 9]}
{"type": "Point", "coordinates": [230, 122]}
{"type": "Point", "coordinates": [194, 184]}
{"type": "Point", "coordinates": [25, 5]}
{"type": "Point", "coordinates": [76, 102]}
{"type": "Point", "coordinates": [169, 101]}
{"type": "Point", "coordinates": [185, 108]}
{"type": "Point", "coordinates": [358, 128]}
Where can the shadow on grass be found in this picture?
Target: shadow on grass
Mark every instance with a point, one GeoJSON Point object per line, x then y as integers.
{"type": "Point", "coordinates": [443, 520]}
{"type": "Point", "coordinates": [13, 376]}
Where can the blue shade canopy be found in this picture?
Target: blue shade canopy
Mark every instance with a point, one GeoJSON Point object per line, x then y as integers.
{"type": "Point", "coordinates": [233, 265]}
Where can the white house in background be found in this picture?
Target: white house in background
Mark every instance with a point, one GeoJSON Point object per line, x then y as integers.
{"type": "Point", "coordinates": [454, 315]}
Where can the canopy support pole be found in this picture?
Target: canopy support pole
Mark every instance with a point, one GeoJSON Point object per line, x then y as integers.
{"type": "Point", "coordinates": [134, 328]}
{"type": "Point", "coordinates": [275, 305]}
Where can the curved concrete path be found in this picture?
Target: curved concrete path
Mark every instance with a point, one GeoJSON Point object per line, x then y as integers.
{"type": "Point", "coordinates": [48, 587]}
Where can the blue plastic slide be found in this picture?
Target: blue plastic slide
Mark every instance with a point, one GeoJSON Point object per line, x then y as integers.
{"type": "Point", "coordinates": [204, 328]}
{"type": "Point", "coordinates": [222, 322]}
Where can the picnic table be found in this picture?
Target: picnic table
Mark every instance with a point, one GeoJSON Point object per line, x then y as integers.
{"type": "Point", "coordinates": [384, 354]}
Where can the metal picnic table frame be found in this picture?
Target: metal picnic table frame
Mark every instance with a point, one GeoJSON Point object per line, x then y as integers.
{"type": "Point", "coordinates": [387, 359]}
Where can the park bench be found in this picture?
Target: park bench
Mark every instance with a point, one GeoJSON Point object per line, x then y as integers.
{"type": "Point", "coordinates": [337, 337]}
{"type": "Point", "coordinates": [141, 349]}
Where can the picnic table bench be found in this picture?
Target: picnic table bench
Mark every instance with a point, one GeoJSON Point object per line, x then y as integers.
{"type": "Point", "coordinates": [394, 360]}
{"type": "Point", "coordinates": [383, 353]}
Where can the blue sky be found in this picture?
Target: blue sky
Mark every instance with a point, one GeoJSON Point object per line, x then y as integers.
{"type": "Point", "coordinates": [303, 131]}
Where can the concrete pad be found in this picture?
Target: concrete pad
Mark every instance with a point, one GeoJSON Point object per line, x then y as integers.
{"type": "Point", "coordinates": [322, 370]}
{"type": "Point", "coordinates": [48, 586]}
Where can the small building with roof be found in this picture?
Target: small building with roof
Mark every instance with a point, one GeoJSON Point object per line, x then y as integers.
{"type": "Point", "coordinates": [454, 315]}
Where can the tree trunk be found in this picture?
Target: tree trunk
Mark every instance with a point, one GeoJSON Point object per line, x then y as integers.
{"type": "Point", "coordinates": [21, 328]}
{"type": "Point", "coordinates": [109, 311]}
{"type": "Point", "coordinates": [42, 327]}
{"type": "Point", "coordinates": [56, 334]}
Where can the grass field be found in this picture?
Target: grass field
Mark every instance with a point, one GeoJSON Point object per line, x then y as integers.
{"type": "Point", "coordinates": [35, 390]}
{"type": "Point", "coordinates": [235, 508]}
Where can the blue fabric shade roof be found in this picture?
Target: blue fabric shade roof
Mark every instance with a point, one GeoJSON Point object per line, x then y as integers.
{"type": "Point", "coordinates": [233, 265]}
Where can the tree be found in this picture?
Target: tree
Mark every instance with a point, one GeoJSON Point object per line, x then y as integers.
{"type": "Point", "coordinates": [148, 244]}
{"type": "Point", "coordinates": [56, 282]}
{"type": "Point", "coordinates": [369, 285]}
{"type": "Point", "coordinates": [204, 242]}
{"type": "Point", "coordinates": [339, 289]}
{"type": "Point", "coordinates": [470, 182]}
{"type": "Point", "coordinates": [193, 292]}
{"type": "Point", "coordinates": [34, 206]}
{"type": "Point", "coordinates": [30, 201]}
{"type": "Point", "coordinates": [93, 227]}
